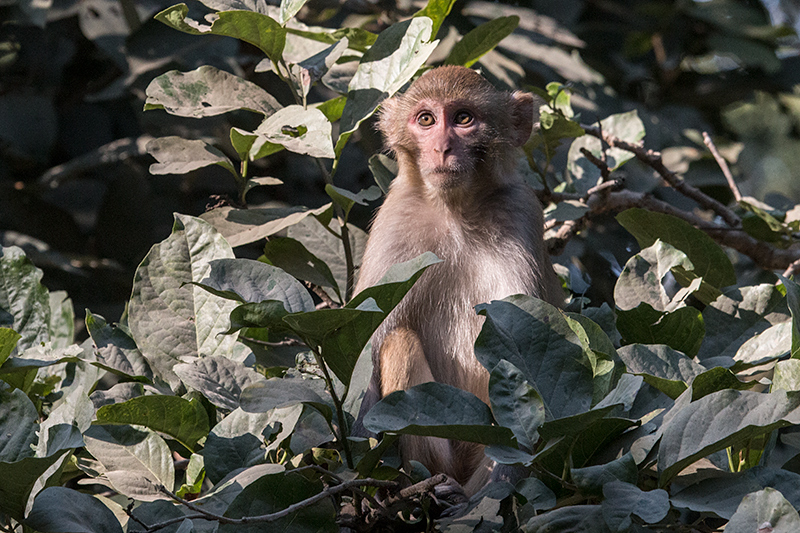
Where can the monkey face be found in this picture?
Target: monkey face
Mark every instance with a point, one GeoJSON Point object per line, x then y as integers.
{"type": "Point", "coordinates": [450, 139]}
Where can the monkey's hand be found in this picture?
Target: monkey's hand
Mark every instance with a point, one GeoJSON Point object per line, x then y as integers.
{"type": "Point", "coordinates": [450, 497]}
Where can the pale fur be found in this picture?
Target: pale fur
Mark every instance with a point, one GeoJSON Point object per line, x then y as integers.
{"type": "Point", "coordinates": [488, 233]}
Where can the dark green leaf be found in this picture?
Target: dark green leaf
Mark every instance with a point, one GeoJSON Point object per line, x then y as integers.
{"type": "Point", "coordinates": [661, 367]}
{"type": "Point", "coordinates": [63, 510]}
{"type": "Point", "coordinates": [481, 40]}
{"type": "Point", "coordinates": [718, 420]}
{"type": "Point", "coordinates": [437, 410]}
{"type": "Point", "coordinates": [515, 403]}
{"type": "Point", "coordinates": [255, 28]}
{"type": "Point", "coordinates": [184, 420]}
{"type": "Point", "coordinates": [276, 492]}
{"type": "Point", "coordinates": [709, 260]}
{"type": "Point", "coordinates": [536, 338]}
{"type": "Point", "coordinates": [24, 301]}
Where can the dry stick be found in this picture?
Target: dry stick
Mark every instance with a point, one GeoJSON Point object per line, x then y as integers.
{"type": "Point", "coordinates": [723, 165]}
{"type": "Point", "coordinates": [654, 161]}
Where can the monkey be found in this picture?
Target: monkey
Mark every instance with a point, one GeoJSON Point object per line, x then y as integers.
{"type": "Point", "coordinates": [458, 194]}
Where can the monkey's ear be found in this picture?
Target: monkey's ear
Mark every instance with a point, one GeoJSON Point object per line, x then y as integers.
{"type": "Point", "coordinates": [523, 111]}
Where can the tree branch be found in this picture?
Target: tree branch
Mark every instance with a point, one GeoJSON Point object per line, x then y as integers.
{"type": "Point", "coordinates": [723, 165]}
{"type": "Point", "coordinates": [654, 161]}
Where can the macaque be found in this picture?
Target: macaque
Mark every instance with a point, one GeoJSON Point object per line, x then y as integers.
{"type": "Point", "coordinates": [459, 195]}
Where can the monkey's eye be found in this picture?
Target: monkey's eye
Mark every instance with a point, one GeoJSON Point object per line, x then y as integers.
{"type": "Point", "coordinates": [425, 119]}
{"type": "Point", "coordinates": [463, 118]}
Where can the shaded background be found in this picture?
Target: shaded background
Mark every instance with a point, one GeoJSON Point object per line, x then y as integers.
{"type": "Point", "coordinates": [76, 194]}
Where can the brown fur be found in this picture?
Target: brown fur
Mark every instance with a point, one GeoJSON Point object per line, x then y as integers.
{"type": "Point", "coordinates": [480, 218]}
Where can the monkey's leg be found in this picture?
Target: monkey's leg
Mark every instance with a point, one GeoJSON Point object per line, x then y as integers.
{"type": "Point", "coordinates": [403, 365]}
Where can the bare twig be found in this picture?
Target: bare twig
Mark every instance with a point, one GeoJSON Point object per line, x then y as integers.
{"type": "Point", "coordinates": [599, 163]}
{"type": "Point", "coordinates": [723, 165]}
{"type": "Point", "coordinates": [654, 161]}
{"type": "Point", "coordinates": [326, 303]}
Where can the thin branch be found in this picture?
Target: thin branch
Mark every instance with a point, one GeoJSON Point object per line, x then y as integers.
{"type": "Point", "coordinates": [723, 165]}
{"type": "Point", "coordinates": [792, 270]}
{"type": "Point", "coordinates": [763, 254]}
{"type": "Point", "coordinates": [654, 161]}
{"type": "Point", "coordinates": [272, 517]}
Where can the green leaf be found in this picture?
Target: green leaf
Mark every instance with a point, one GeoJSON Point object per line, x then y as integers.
{"type": "Point", "coordinates": [437, 410]}
{"type": "Point", "coordinates": [276, 492]}
{"type": "Point", "coordinates": [247, 280]}
{"type": "Point", "coordinates": [536, 338]}
{"type": "Point", "coordinates": [136, 461]}
{"type": "Point", "coordinates": [722, 493]}
{"type": "Point", "coordinates": [786, 375]}
{"type": "Point", "coordinates": [176, 155]}
{"type": "Point", "coordinates": [347, 199]}
{"type": "Point", "coordinates": [793, 299]}
{"type": "Point", "coordinates": [717, 379]}
{"type": "Point", "coordinates": [625, 499]}
{"type": "Point", "coordinates": [116, 351]}
{"type": "Point", "coordinates": [219, 379]}
{"type": "Point", "coordinates": [718, 420]}
{"type": "Point", "coordinates": [289, 9]}
{"type": "Point", "coordinates": [771, 344]}
{"type": "Point", "coordinates": [62, 321]}
{"type": "Point", "coordinates": [277, 393]}
{"type": "Point", "coordinates": [314, 235]}
{"type": "Point", "coordinates": [207, 92]}
{"type": "Point", "coordinates": [682, 329]}
{"type": "Point", "coordinates": [584, 174]}
{"type": "Point", "coordinates": [291, 256]}
{"type": "Point", "coordinates": [63, 510]}
{"type": "Point", "coordinates": [398, 52]}
{"type": "Point", "coordinates": [481, 40]}
{"type": "Point", "coordinates": [437, 11]}
{"type": "Point", "coordinates": [8, 341]}
{"type": "Point", "coordinates": [341, 347]}
{"type": "Point", "coordinates": [765, 510]}
{"type": "Point", "coordinates": [583, 518]}
{"type": "Point", "coordinates": [303, 131]}
{"type": "Point", "coordinates": [592, 479]}
{"type": "Point", "coordinates": [738, 315]}
{"type": "Point", "coordinates": [641, 281]}
{"type": "Point", "coordinates": [243, 226]}
{"type": "Point", "coordinates": [19, 424]}
{"type": "Point", "coordinates": [239, 441]}
{"type": "Point", "coordinates": [184, 420]}
{"type": "Point", "coordinates": [22, 477]}
{"type": "Point", "coordinates": [24, 301]}
{"type": "Point", "coordinates": [661, 367]}
{"type": "Point", "coordinates": [169, 319]}
{"type": "Point", "coordinates": [255, 28]}
{"type": "Point", "coordinates": [515, 403]}
{"type": "Point", "coordinates": [709, 260]}
{"type": "Point", "coordinates": [384, 169]}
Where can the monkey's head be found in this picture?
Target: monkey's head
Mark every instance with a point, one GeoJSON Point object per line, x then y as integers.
{"type": "Point", "coordinates": [453, 126]}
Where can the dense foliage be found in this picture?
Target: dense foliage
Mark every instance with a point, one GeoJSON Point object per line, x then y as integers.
{"type": "Point", "coordinates": [223, 398]}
